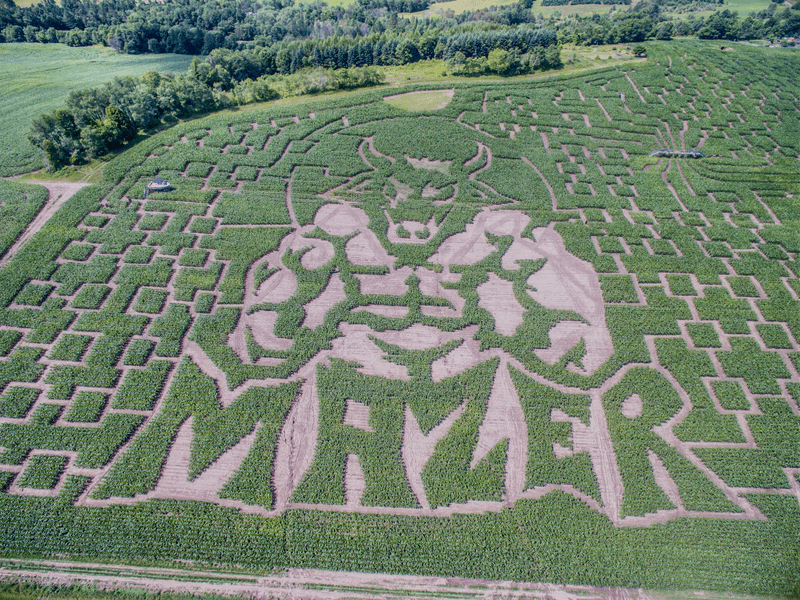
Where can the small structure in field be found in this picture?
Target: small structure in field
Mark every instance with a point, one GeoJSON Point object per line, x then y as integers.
{"type": "Point", "coordinates": [157, 185]}
{"type": "Point", "coordinates": [677, 153]}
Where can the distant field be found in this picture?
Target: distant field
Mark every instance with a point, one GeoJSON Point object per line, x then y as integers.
{"type": "Point", "coordinates": [582, 10]}
{"type": "Point", "coordinates": [745, 7]}
{"type": "Point", "coordinates": [458, 7]}
{"type": "Point", "coordinates": [461, 6]}
{"type": "Point", "coordinates": [36, 78]}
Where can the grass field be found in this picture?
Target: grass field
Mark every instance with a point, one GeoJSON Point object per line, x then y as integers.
{"type": "Point", "coordinates": [36, 78]}
{"type": "Point", "coordinates": [460, 6]}
{"type": "Point", "coordinates": [743, 7]}
{"type": "Point", "coordinates": [421, 101]}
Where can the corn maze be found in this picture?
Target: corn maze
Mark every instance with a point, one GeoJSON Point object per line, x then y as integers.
{"type": "Point", "coordinates": [492, 339]}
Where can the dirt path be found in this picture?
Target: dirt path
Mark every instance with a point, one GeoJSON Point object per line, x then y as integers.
{"type": "Point", "coordinates": [635, 88]}
{"type": "Point", "coordinates": [58, 192]}
{"type": "Point", "coordinates": [298, 583]}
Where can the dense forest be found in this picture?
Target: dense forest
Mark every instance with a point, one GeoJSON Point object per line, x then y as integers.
{"type": "Point", "coordinates": [193, 27]}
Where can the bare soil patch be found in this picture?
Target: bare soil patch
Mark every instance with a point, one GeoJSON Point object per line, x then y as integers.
{"type": "Point", "coordinates": [317, 308]}
{"type": "Point", "coordinates": [497, 296]}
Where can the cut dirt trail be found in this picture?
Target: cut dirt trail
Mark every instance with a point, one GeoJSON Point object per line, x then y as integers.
{"type": "Point", "coordinates": [58, 192]}
{"type": "Point", "coordinates": [298, 583]}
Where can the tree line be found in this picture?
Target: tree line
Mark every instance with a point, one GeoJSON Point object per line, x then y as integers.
{"type": "Point", "coordinates": [193, 27]}
{"type": "Point", "coordinates": [98, 120]}
{"type": "Point", "coordinates": [344, 37]}
{"type": "Point", "coordinates": [647, 20]}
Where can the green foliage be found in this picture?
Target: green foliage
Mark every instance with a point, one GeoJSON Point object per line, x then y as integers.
{"type": "Point", "coordinates": [618, 288]}
{"type": "Point", "coordinates": [202, 225]}
{"type": "Point", "coordinates": [33, 294]}
{"type": "Point", "coordinates": [42, 471]}
{"type": "Point", "coordinates": [758, 368]}
{"type": "Point", "coordinates": [634, 440]}
{"type": "Point", "coordinates": [153, 222]}
{"type": "Point", "coordinates": [95, 445]}
{"type": "Point", "coordinates": [171, 326]}
{"type": "Point", "coordinates": [90, 296]}
{"type": "Point", "coordinates": [86, 407]}
{"type": "Point", "coordinates": [261, 208]}
{"type": "Point", "coordinates": [193, 257]}
{"type": "Point", "coordinates": [681, 285]}
{"type": "Point", "coordinates": [117, 284]}
{"type": "Point", "coordinates": [204, 303]}
{"type": "Point", "coordinates": [744, 467]}
{"type": "Point", "coordinates": [140, 388]}
{"type": "Point", "coordinates": [215, 430]}
{"type": "Point", "coordinates": [703, 423]}
{"type": "Point", "coordinates": [704, 335]}
{"type": "Point", "coordinates": [77, 251]}
{"type": "Point", "coordinates": [71, 275]}
{"type": "Point", "coordinates": [138, 255]}
{"type": "Point", "coordinates": [241, 247]}
{"type": "Point", "coordinates": [731, 395]}
{"type": "Point", "coordinates": [138, 352]}
{"type": "Point", "coordinates": [17, 401]}
{"type": "Point", "coordinates": [70, 347]}
{"type": "Point", "coordinates": [743, 287]}
{"type": "Point", "coordinates": [774, 336]}
{"type": "Point", "coordinates": [8, 339]}
{"type": "Point", "coordinates": [150, 300]}
{"type": "Point", "coordinates": [538, 403]}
